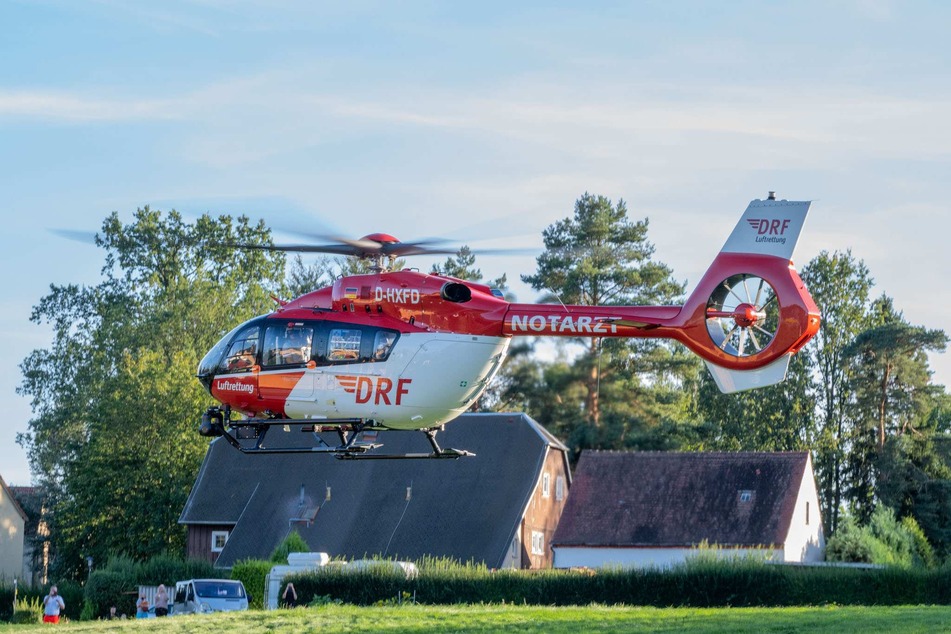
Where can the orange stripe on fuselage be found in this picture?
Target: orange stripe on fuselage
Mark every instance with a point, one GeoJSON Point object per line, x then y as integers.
{"type": "Point", "coordinates": [283, 381]}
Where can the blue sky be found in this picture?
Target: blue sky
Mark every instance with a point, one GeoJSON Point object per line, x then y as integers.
{"type": "Point", "coordinates": [426, 118]}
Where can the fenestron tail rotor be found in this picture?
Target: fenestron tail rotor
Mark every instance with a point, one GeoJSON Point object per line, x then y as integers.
{"type": "Point", "coordinates": [743, 315]}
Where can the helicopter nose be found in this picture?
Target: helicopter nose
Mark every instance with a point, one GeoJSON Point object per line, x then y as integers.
{"type": "Point", "coordinates": [207, 369]}
{"type": "Point", "coordinates": [206, 379]}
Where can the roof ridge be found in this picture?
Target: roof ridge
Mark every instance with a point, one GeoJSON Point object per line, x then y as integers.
{"type": "Point", "coordinates": [699, 454]}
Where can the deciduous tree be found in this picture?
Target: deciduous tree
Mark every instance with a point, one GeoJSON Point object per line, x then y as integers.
{"type": "Point", "coordinates": [840, 286]}
{"type": "Point", "coordinates": [114, 399]}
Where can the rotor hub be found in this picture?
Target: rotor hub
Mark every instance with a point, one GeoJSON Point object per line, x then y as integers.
{"type": "Point", "coordinates": [747, 315]}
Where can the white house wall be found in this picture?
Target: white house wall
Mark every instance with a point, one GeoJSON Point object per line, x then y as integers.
{"type": "Point", "coordinates": [11, 537]}
{"type": "Point", "coordinates": [647, 557]}
{"type": "Point", "coordinates": [805, 541]}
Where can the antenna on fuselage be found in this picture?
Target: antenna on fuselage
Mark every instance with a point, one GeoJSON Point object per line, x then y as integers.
{"type": "Point", "coordinates": [555, 295]}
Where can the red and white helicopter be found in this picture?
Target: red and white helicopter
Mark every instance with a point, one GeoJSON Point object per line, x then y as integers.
{"type": "Point", "coordinates": [404, 350]}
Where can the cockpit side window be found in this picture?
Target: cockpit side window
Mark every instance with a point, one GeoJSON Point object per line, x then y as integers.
{"type": "Point", "coordinates": [288, 344]}
{"type": "Point", "coordinates": [336, 344]}
{"type": "Point", "coordinates": [242, 353]}
{"type": "Point", "coordinates": [344, 344]}
{"type": "Point", "coordinates": [382, 344]}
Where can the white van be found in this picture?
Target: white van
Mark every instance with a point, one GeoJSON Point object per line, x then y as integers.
{"type": "Point", "coordinates": [203, 596]}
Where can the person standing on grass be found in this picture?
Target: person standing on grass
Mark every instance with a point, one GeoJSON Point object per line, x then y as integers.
{"type": "Point", "coordinates": [52, 605]}
{"type": "Point", "coordinates": [289, 599]}
{"type": "Point", "coordinates": [161, 601]}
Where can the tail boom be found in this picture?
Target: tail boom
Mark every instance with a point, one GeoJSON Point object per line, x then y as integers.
{"type": "Point", "coordinates": [748, 315]}
{"type": "Point", "coordinates": [688, 324]}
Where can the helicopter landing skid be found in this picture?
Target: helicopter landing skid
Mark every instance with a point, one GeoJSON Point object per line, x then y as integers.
{"type": "Point", "coordinates": [353, 444]}
{"type": "Point", "coordinates": [438, 453]}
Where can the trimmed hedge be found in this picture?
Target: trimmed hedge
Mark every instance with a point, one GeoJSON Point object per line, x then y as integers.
{"type": "Point", "coordinates": [694, 584]}
{"type": "Point", "coordinates": [252, 573]}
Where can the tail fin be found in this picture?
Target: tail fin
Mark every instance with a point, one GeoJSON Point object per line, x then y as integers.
{"type": "Point", "coordinates": [769, 227]}
{"type": "Point", "coordinates": [751, 303]}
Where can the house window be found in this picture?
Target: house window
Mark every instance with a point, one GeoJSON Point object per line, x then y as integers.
{"type": "Point", "coordinates": [560, 488]}
{"type": "Point", "coordinates": [218, 541]}
{"type": "Point", "coordinates": [546, 485]}
{"type": "Point", "coordinates": [538, 543]}
{"type": "Point", "coordinates": [746, 496]}
{"type": "Point", "coordinates": [515, 552]}
{"type": "Point", "coordinates": [807, 513]}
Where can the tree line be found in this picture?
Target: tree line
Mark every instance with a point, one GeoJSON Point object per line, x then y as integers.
{"type": "Point", "coordinates": [112, 439]}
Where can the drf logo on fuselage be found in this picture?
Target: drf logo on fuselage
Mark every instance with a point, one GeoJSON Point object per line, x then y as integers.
{"type": "Point", "coordinates": [380, 389]}
{"type": "Point", "coordinates": [766, 226]}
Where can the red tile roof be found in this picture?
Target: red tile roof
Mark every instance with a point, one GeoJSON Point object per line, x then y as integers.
{"type": "Point", "coordinates": [668, 499]}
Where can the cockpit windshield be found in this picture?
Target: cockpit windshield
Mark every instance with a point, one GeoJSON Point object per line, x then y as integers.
{"type": "Point", "coordinates": [209, 364]}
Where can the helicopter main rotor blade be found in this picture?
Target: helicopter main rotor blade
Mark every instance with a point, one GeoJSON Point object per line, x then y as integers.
{"type": "Point", "coordinates": [89, 237]}
{"type": "Point", "coordinates": [336, 249]}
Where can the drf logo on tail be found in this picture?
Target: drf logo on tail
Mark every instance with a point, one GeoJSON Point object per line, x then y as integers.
{"type": "Point", "coordinates": [764, 226]}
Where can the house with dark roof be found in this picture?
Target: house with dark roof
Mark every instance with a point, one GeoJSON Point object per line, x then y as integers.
{"type": "Point", "coordinates": [657, 508]}
{"type": "Point", "coordinates": [12, 524]}
{"type": "Point", "coordinates": [500, 507]}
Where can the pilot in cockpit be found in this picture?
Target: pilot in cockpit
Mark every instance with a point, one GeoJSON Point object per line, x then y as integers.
{"type": "Point", "coordinates": [296, 348]}
{"type": "Point", "coordinates": [384, 341]}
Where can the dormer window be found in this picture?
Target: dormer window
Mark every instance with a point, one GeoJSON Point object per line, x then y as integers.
{"type": "Point", "coordinates": [745, 496]}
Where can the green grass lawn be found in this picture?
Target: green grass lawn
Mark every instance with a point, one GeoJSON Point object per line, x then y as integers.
{"type": "Point", "coordinates": [505, 618]}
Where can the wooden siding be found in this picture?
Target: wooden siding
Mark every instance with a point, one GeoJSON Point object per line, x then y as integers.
{"type": "Point", "coordinates": [199, 540]}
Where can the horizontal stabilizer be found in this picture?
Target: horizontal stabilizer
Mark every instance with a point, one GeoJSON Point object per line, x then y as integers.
{"type": "Point", "coordinates": [730, 381]}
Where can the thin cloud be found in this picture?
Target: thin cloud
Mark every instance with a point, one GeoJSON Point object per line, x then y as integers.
{"type": "Point", "coordinates": [64, 107]}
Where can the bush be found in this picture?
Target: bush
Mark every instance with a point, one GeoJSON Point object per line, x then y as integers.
{"type": "Point", "coordinates": [73, 596]}
{"type": "Point", "coordinates": [7, 602]}
{"type": "Point", "coordinates": [106, 588]}
{"type": "Point", "coordinates": [88, 613]}
{"type": "Point", "coordinates": [922, 550]}
{"type": "Point", "coordinates": [27, 611]}
{"type": "Point", "coordinates": [856, 544]}
{"type": "Point", "coordinates": [293, 543]}
{"type": "Point", "coordinates": [252, 573]}
{"type": "Point", "coordinates": [884, 541]}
